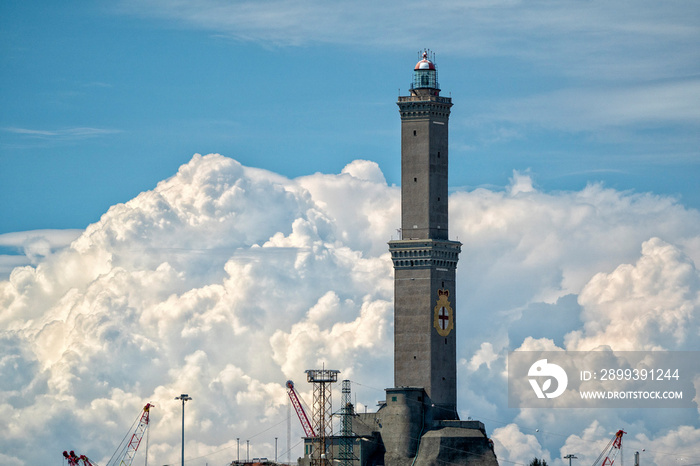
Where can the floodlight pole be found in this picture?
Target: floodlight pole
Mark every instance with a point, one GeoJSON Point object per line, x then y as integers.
{"type": "Point", "coordinates": [570, 457]}
{"type": "Point", "coordinates": [184, 397]}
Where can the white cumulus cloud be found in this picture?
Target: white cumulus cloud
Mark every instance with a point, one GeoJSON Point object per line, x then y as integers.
{"type": "Point", "coordinates": [224, 281]}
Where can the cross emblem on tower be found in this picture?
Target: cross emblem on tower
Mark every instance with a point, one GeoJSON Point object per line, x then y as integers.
{"type": "Point", "coordinates": [443, 320]}
{"type": "Point", "coordinates": [444, 317]}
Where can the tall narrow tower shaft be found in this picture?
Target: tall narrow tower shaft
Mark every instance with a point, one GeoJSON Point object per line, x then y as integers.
{"type": "Point", "coordinates": [425, 260]}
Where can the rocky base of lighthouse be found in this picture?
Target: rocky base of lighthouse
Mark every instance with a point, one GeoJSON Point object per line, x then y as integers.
{"type": "Point", "coordinates": [406, 430]}
{"type": "Point", "coordinates": [455, 442]}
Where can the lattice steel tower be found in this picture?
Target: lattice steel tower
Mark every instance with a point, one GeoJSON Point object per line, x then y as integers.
{"type": "Point", "coordinates": [322, 454]}
{"type": "Point", "coordinates": [345, 444]}
{"type": "Point", "coordinates": [425, 260]}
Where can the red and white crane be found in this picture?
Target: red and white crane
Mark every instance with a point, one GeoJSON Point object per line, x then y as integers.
{"type": "Point", "coordinates": [303, 418]}
{"type": "Point", "coordinates": [611, 450]}
{"type": "Point", "coordinates": [74, 460]}
{"type": "Point", "coordinates": [124, 456]}
{"type": "Point", "coordinates": [125, 453]}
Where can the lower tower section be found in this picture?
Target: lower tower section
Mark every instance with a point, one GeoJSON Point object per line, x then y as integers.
{"type": "Point", "coordinates": [425, 344]}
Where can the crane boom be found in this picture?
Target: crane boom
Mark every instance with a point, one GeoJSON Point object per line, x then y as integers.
{"type": "Point", "coordinates": [303, 418]}
{"type": "Point", "coordinates": [124, 455]}
{"type": "Point", "coordinates": [611, 450]}
{"type": "Point", "coordinates": [137, 436]}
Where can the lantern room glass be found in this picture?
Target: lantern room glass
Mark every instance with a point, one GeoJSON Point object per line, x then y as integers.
{"type": "Point", "coordinates": [425, 79]}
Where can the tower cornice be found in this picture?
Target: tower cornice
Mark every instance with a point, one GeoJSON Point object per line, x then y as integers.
{"type": "Point", "coordinates": [425, 253]}
{"type": "Point", "coordinates": [424, 107]}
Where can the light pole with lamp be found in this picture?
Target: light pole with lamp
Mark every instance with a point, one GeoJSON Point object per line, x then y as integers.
{"type": "Point", "coordinates": [570, 457]}
{"type": "Point", "coordinates": [184, 397]}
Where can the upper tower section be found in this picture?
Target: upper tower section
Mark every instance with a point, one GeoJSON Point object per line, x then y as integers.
{"type": "Point", "coordinates": [424, 134]}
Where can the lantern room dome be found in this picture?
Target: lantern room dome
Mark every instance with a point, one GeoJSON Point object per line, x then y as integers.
{"type": "Point", "coordinates": [424, 64]}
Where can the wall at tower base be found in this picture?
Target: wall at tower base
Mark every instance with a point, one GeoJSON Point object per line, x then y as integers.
{"type": "Point", "coordinates": [401, 422]}
{"type": "Point", "coordinates": [404, 428]}
{"type": "Point", "coordinates": [452, 442]}
{"type": "Point", "coordinates": [367, 450]}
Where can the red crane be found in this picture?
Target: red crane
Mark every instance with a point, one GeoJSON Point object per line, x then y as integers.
{"type": "Point", "coordinates": [124, 456]}
{"type": "Point", "coordinates": [125, 453]}
{"type": "Point", "coordinates": [611, 450]}
{"type": "Point", "coordinates": [303, 418]}
{"type": "Point", "coordinates": [74, 460]}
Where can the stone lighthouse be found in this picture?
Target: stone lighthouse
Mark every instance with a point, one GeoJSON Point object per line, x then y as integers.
{"type": "Point", "coordinates": [425, 260]}
{"type": "Point", "coordinates": [418, 423]}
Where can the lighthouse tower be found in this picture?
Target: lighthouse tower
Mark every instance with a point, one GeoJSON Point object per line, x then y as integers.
{"type": "Point", "coordinates": [418, 424]}
{"type": "Point", "coordinates": [425, 260]}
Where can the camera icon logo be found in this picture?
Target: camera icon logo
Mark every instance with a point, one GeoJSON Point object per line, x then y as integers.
{"type": "Point", "coordinates": [551, 371]}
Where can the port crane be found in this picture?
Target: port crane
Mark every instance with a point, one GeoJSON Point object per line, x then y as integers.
{"type": "Point", "coordinates": [611, 450]}
{"type": "Point", "coordinates": [125, 453]}
{"type": "Point", "coordinates": [303, 418]}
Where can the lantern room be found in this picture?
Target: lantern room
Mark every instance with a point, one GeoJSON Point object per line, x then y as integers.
{"type": "Point", "coordinates": [425, 74]}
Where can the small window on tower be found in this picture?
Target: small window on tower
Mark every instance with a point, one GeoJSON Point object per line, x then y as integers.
{"type": "Point", "coordinates": [414, 132]}
{"type": "Point", "coordinates": [438, 154]}
{"type": "Point", "coordinates": [415, 180]}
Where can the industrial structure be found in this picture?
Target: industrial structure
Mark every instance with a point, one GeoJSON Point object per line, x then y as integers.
{"type": "Point", "coordinates": [345, 444]}
{"type": "Point", "coordinates": [612, 449]}
{"type": "Point", "coordinates": [418, 423]}
{"type": "Point", "coordinates": [321, 379]}
{"type": "Point", "coordinates": [125, 456]}
{"type": "Point", "coordinates": [126, 451]}
{"type": "Point", "coordinates": [303, 417]}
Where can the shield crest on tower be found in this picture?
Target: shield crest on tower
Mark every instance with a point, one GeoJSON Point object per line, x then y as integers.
{"type": "Point", "coordinates": [443, 316]}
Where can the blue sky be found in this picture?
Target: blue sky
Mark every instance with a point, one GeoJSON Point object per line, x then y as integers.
{"type": "Point", "coordinates": [132, 270]}
{"type": "Point", "coordinates": [101, 100]}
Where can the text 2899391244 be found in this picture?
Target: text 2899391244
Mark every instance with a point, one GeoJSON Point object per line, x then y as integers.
{"type": "Point", "coordinates": [602, 379]}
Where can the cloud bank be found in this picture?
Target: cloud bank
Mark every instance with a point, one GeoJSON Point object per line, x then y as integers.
{"type": "Point", "coordinates": [594, 39]}
{"type": "Point", "coordinates": [224, 281]}
{"type": "Point", "coordinates": [30, 247]}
